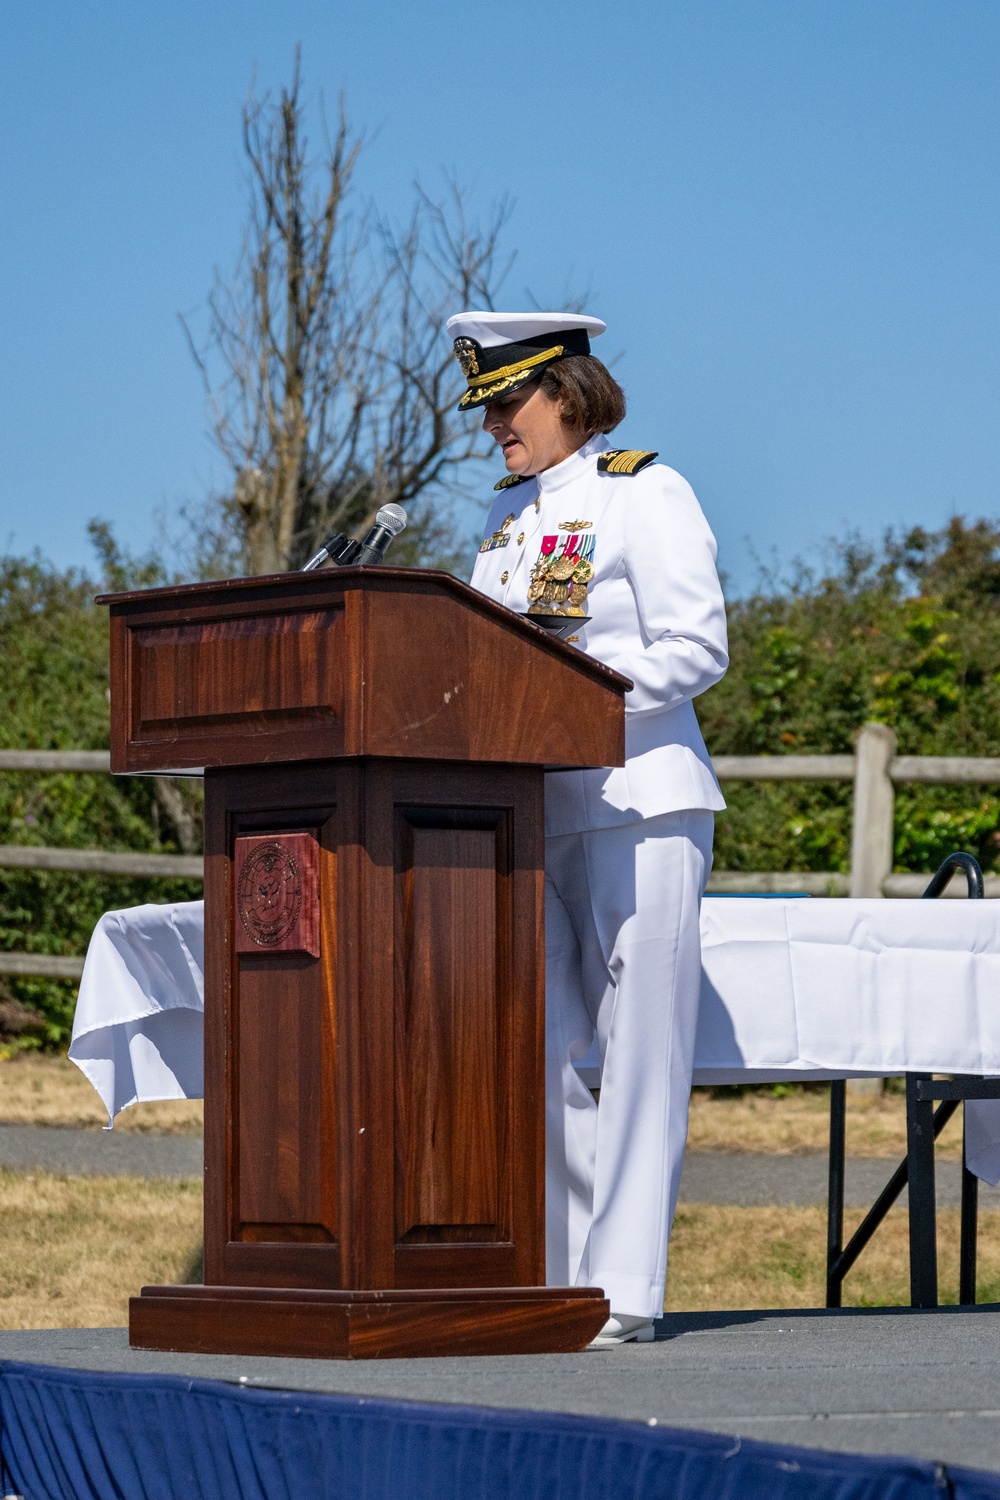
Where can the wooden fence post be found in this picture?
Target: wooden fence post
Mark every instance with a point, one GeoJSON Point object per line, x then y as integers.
{"type": "Point", "coordinates": [872, 834]}
{"type": "Point", "coordinates": [874, 806]}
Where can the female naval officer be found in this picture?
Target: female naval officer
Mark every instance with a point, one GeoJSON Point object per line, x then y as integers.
{"type": "Point", "coordinates": [619, 542]}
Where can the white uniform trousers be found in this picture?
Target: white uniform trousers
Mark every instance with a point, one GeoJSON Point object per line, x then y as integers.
{"type": "Point", "coordinates": [623, 962]}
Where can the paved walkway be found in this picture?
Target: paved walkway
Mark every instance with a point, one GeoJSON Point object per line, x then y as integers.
{"type": "Point", "coordinates": [98, 1153]}
{"type": "Point", "coordinates": [709, 1177]}
{"type": "Point", "coordinates": [862, 1380]}
{"type": "Point", "coordinates": [797, 1181]}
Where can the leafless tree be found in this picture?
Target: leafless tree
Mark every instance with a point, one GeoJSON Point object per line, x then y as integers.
{"type": "Point", "coordinates": [331, 384]}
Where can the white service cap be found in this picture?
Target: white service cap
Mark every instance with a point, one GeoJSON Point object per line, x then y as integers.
{"type": "Point", "coordinates": [501, 352]}
{"type": "Point", "coordinates": [490, 329]}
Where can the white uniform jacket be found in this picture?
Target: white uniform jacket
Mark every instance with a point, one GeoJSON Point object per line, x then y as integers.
{"type": "Point", "coordinates": [657, 616]}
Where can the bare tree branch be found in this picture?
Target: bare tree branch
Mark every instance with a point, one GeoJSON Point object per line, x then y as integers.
{"type": "Point", "coordinates": [330, 383]}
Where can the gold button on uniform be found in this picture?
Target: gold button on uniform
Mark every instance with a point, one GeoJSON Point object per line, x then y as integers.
{"type": "Point", "coordinates": [504, 576]}
{"type": "Point", "coordinates": [520, 539]}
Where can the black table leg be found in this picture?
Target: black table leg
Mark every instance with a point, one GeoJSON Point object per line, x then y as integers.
{"type": "Point", "coordinates": [835, 1196]}
{"type": "Point", "coordinates": [923, 1227]}
{"type": "Point", "coordinates": [967, 1253]}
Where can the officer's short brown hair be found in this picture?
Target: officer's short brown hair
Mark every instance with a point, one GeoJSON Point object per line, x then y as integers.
{"type": "Point", "coordinates": [591, 398]}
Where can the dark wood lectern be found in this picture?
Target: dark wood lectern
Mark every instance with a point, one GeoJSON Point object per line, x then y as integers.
{"type": "Point", "coordinates": [373, 743]}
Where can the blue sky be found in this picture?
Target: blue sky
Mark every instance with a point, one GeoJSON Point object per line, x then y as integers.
{"type": "Point", "coordinates": [786, 210]}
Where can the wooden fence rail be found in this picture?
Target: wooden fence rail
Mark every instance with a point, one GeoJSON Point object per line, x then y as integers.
{"type": "Point", "coordinates": [55, 761]}
{"type": "Point", "coordinates": [101, 862]}
{"type": "Point", "coordinates": [875, 770]}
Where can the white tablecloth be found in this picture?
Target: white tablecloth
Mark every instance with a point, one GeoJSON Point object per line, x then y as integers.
{"type": "Point", "coordinates": [791, 988]}
{"type": "Point", "coordinates": [138, 1032]}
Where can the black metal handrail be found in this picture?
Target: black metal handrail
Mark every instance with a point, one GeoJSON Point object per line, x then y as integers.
{"type": "Point", "coordinates": [951, 866]}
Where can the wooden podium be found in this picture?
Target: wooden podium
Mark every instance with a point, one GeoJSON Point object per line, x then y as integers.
{"type": "Point", "coordinates": [373, 743]}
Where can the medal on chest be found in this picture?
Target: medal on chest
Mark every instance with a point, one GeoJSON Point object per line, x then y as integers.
{"type": "Point", "coordinates": [560, 577]}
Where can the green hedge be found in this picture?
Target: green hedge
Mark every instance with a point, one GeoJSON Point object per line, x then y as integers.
{"type": "Point", "coordinates": [54, 696]}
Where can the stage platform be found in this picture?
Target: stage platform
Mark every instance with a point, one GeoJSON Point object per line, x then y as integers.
{"type": "Point", "coordinates": [872, 1381]}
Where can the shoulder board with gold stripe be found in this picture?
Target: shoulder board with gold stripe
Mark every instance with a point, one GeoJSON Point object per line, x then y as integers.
{"type": "Point", "coordinates": [624, 460]}
{"type": "Point", "coordinates": [509, 480]}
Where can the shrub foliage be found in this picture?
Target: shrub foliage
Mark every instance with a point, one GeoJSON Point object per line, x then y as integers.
{"type": "Point", "coordinates": [54, 696]}
{"type": "Point", "coordinates": [908, 634]}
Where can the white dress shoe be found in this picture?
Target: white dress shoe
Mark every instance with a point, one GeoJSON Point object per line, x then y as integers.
{"type": "Point", "coordinates": [623, 1329]}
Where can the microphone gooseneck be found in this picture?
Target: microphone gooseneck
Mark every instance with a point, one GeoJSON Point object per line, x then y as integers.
{"type": "Point", "coordinates": [338, 548]}
{"type": "Point", "coordinates": [318, 558]}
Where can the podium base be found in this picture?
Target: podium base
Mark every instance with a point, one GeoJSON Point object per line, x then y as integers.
{"type": "Point", "coordinates": [318, 1324]}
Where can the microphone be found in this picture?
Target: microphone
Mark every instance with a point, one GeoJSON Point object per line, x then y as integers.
{"type": "Point", "coordinates": [389, 522]}
{"type": "Point", "coordinates": [343, 550]}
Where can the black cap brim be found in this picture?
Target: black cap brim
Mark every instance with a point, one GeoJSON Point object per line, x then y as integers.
{"type": "Point", "coordinates": [517, 365]}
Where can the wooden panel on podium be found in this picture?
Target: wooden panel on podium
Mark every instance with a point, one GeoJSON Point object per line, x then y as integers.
{"type": "Point", "coordinates": [226, 676]}
{"type": "Point", "coordinates": [345, 662]}
{"type": "Point", "coordinates": [374, 744]}
{"type": "Point", "coordinates": [448, 1034]}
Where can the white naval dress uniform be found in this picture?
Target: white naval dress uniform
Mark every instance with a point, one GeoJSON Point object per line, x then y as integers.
{"type": "Point", "coordinates": [628, 852]}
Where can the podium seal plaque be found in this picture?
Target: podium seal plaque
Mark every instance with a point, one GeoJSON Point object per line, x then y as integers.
{"type": "Point", "coordinates": [270, 895]}
{"type": "Point", "coordinates": [276, 896]}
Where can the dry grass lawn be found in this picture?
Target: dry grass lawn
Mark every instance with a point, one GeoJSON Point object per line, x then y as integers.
{"type": "Point", "coordinates": [800, 1123]}
{"type": "Point", "coordinates": [776, 1257]}
{"type": "Point", "coordinates": [73, 1250]}
{"type": "Point", "coordinates": [42, 1090]}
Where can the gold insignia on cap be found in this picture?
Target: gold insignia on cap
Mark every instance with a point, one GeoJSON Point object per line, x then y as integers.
{"type": "Point", "coordinates": [465, 353]}
{"type": "Point", "coordinates": [624, 460]}
{"type": "Point", "coordinates": [493, 383]}
{"type": "Point", "coordinates": [510, 372]}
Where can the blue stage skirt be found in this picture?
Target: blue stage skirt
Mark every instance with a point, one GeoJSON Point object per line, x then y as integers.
{"type": "Point", "coordinates": [76, 1435]}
